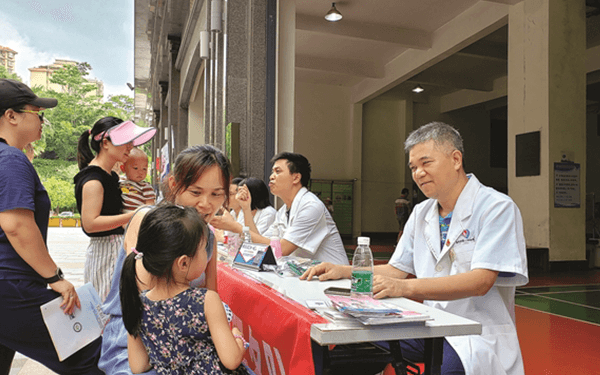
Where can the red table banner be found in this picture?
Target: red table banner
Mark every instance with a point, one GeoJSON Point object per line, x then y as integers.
{"type": "Point", "coordinates": [277, 328]}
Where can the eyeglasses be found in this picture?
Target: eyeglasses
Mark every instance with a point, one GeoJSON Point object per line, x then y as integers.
{"type": "Point", "coordinates": [40, 114]}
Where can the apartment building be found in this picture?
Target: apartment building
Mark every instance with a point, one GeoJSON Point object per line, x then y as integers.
{"type": "Point", "coordinates": [7, 58]}
{"type": "Point", "coordinates": [41, 75]}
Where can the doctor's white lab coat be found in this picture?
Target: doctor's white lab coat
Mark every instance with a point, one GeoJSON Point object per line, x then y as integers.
{"type": "Point", "coordinates": [486, 232]}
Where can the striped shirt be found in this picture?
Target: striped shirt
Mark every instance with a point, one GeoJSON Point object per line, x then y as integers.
{"type": "Point", "coordinates": [135, 194]}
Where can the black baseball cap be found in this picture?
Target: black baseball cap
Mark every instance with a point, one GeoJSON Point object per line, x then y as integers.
{"type": "Point", "coordinates": [14, 94]}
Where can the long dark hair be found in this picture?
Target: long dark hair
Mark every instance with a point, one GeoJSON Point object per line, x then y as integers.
{"type": "Point", "coordinates": [189, 166]}
{"type": "Point", "coordinates": [85, 145]}
{"type": "Point", "coordinates": [258, 191]}
{"type": "Point", "coordinates": [236, 181]}
{"type": "Point", "coordinates": [166, 233]}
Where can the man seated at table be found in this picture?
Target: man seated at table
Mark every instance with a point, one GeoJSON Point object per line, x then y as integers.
{"type": "Point", "coordinates": [465, 245]}
{"type": "Point", "coordinates": [303, 224]}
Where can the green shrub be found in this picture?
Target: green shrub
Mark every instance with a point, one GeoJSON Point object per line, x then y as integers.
{"type": "Point", "coordinates": [62, 194]}
{"type": "Point", "coordinates": [61, 169]}
{"type": "Point", "coordinates": [57, 177]}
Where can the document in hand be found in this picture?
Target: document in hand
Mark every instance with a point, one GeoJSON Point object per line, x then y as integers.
{"type": "Point", "coordinates": [70, 333]}
{"type": "Point", "coordinates": [370, 311]}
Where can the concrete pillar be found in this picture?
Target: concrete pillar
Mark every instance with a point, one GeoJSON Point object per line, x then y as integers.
{"type": "Point", "coordinates": [196, 119]}
{"type": "Point", "coordinates": [178, 117]}
{"type": "Point", "coordinates": [385, 125]}
{"type": "Point", "coordinates": [246, 81]}
{"type": "Point", "coordinates": [407, 123]}
{"type": "Point", "coordinates": [546, 94]}
{"type": "Point", "coordinates": [220, 69]}
{"type": "Point", "coordinates": [155, 147]}
{"type": "Point", "coordinates": [165, 133]}
{"type": "Point", "coordinates": [286, 76]}
{"type": "Point", "coordinates": [356, 129]}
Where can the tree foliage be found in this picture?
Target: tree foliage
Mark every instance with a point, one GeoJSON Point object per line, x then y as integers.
{"type": "Point", "coordinates": [63, 170]}
{"type": "Point", "coordinates": [5, 74]}
{"type": "Point", "coordinates": [120, 106]}
{"type": "Point", "coordinates": [77, 111]}
{"type": "Point", "coordinates": [72, 80]}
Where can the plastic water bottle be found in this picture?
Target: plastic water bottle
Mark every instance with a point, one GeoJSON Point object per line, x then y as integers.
{"type": "Point", "coordinates": [362, 269]}
{"type": "Point", "coordinates": [225, 246]}
{"type": "Point", "coordinates": [276, 247]}
{"type": "Point", "coordinates": [233, 244]}
{"type": "Point", "coordinates": [247, 237]}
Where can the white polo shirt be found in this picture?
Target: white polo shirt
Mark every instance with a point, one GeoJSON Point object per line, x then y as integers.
{"type": "Point", "coordinates": [311, 228]}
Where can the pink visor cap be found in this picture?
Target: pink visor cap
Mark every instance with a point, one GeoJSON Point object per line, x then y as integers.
{"type": "Point", "coordinates": [127, 132]}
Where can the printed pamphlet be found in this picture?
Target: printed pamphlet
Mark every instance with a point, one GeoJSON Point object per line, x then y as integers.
{"type": "Point", "coordinates": [70, 333]}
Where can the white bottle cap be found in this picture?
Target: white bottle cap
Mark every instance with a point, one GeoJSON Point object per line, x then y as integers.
{"type": "Point", "coordinates": [364, 241]}
{"type": "Point", "coordinates": [246, 229]}
{"type": "Point", "coordinates": [275, 238]}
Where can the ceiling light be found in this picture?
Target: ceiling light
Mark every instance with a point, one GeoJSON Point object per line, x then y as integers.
{"type": "Point", "coordinates": [418, 89]}
{"type": "Point", "coordinates": [333, 14]}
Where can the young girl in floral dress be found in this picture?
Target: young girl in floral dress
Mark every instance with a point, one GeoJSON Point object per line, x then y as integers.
{"type": "Point", "coordinates": [172, 327]}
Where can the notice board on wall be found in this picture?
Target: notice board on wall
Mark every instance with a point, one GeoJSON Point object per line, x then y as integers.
{"type": "Point", "coordinates": [567, 185]}
{"type": "Point", "coordinates": [338, 197]}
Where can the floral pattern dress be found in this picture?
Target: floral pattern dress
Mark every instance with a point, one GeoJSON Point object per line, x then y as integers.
{"type": "Point", "coordinates": [176, 336]}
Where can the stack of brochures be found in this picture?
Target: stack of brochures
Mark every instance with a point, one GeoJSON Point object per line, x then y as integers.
{"type": "Point", "coordinates": [370, 311]}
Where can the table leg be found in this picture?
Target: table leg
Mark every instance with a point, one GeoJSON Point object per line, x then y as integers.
{"type": "Point", "coordinates": [356, 359]}
{"type": "Point", "coordinates": [434, 352]}
{"type": "Point", "coordinates": [320, 357]}
{"type": "Point", "coordinates": [398, 363]}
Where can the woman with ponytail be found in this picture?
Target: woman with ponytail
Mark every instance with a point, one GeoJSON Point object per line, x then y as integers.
{"type": "Point", "coordinates": [199, 179]}
{"type": "Point", "coordinates": [98, 195]}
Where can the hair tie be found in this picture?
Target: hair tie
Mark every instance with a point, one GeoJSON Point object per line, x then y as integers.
{"type": "Point", "coordinates": [138, 254]}
{"type": "Point", "coordinates": [98, 136]}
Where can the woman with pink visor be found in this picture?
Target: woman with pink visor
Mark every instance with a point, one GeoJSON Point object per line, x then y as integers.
{"type": "Point", "coordinates": [98, 194]}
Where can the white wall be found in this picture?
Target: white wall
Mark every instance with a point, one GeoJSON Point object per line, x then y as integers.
{"type": "Point", "coordinates": [323, 118]}
{"type": "Point", "coordinates": [196, 132]}
{"type": "Point", "coordinates": [383, 162]}
{"type": "Point", "coordinates": [473, 123]}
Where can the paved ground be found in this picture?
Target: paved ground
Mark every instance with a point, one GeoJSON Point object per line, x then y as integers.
{"type": "Point", "coordinates": [67, 247]}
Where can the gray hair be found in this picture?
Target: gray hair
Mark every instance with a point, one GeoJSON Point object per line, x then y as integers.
{"type": "Point", "coordinates": [439, 132]}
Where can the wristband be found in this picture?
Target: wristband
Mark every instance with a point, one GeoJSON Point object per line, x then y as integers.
{"type": "Point", "coordinates": [57, 277]}
{"type": "Point", "coordinates": [246, 343]}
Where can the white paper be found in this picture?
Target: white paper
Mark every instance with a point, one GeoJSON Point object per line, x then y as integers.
{"type": "Point", "coordinates": [70, 333]}
{"type": "Point", "coordinates": [316, 304]}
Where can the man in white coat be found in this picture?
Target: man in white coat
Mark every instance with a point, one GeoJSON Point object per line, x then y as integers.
{"type": "Point", "coordinates": [465, 245]}
{"type": "Point", "coordinates": [303, 223]}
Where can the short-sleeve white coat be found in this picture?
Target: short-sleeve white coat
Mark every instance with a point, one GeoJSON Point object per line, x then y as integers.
{"type": "Point", "coordinates": [486, 232]}
{"type": "Point", "coordinates": [263, 218]}
{"type": "Point", "coordinates": [311, 228]}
